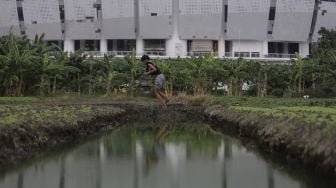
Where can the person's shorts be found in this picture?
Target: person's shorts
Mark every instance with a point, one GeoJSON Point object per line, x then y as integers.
{"type": "Point", "coordinates": [159, 81]}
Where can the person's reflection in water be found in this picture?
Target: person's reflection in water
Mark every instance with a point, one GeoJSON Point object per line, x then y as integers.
{"type": "Point", "coordinates": [270, 177]}
{"type": "Point", "coordinates": [227, 157]}
{"type": "Point", "coordinates": [153, 156]}
{"type": "Point", "coordinates": [156, 151]}
{"type": "Point", "coordinates": [62, 174]}
{"type": "Point", "coordinates": [20, 180]}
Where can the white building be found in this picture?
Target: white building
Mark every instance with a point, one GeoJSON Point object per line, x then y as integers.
{"type": "Point", "coordinates": [261, 29]}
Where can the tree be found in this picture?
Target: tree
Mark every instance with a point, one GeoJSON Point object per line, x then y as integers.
{"type": "Point", "coordinates": [324, 52]}
{"type": "Point", "coordinates": [298, 75]}
{"type": "Point", "coordinates": [44, 63]}
{"type": "Point", "coordinates": [198, 72]}
{"type": "Point", "coordinates": [110, 73]}
{"type": "Point", "coordinates": [17, 57]}
{"type": "Point", "coordinates": [131, 61]}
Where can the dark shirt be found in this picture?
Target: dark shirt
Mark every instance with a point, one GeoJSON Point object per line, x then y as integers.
{"type": "Point", "coordinates": [155, 73]}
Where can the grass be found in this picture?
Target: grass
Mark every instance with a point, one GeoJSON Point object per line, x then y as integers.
{"type": "Point", "coordinates": [48, 115]}
{"type": "Point", "coordinates": [268, 102]}
{"type": "Point", "coordinates": [319, 112]}
{"type": "Point", "coordinates": [315, 111]}
{"type": "Point", "coordinates": [4, 100]}
{"type": "Point", "coordinates": [314, 115]}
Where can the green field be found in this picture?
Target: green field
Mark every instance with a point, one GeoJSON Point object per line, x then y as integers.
{"type": "Point", "coordinates": [316, 111]}
{"type": "Point", "coordinates": [320, 113]}
{"type": "Point", "coordinates": [50, 115]}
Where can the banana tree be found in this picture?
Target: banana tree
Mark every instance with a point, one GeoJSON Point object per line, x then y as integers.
{"type": "Point", "coordinates": [89, 76]}
{"type": "Point", "coordinates": [198, 70]}
{"type": "Point", "coordinates": [60, 69]}
{"type": "Point", "coordinates": [298, 75]}
{"type": "Point", "coordinates": [44, 62]}
{"type": "Point", "coordinates": [131, 61]}
{"type": "Point", "coordinates": [17, 57]}
{"type": "Point", "coordinates": [110, 72]}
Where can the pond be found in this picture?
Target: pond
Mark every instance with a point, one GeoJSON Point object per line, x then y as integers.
{"type": "Point", "coordinates": [161, 156]}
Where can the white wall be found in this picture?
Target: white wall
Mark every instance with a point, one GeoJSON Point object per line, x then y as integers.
{"type": "Point", "coordinates": [293, 20]}
{"type": "Point", "coordinates": [118, 19]}
{"type": "Point", "coordinates": [77, 26]}
{"type": "Point", "coordinates": [8, 17]}
{"type": "Point", "coordinates": [200, 19]}
{"type": "Point", "coordinates": [8, 13]}
{"type": "Point", "coordinates": [248, 19]}
{"type": "Point", "coordinates": [247, 46]}
{"type": "Point", "coordinates": [304, 49]}
{"type": "Point", "coordinates": [42, 17]}
{"type": "Point", "coordinates": [159, 26]}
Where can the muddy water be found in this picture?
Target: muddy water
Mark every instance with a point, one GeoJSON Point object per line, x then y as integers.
{"type": "Point", "coordinates": [169, 156]}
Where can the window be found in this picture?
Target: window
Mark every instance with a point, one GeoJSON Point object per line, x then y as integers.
{"type": "Point", "coordinates": [62, 14]}
{"type": "Point", "coordinates": [271, 13]}
{"type": "Point", "coordinates": [293, 48]}
{"type": "Point", "coordinates": [226, 13]}
{"type": "Point", "coordinates": [155, 47]}
{"type": "Point", "coordinates": [97, 6]}
{"type": "Point", "coordinates": [20, 14]}
{"type": "Point", "coordinates": [77, 45]}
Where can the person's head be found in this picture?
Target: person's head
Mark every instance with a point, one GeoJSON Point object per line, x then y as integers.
{"type": "Point", "coordinates": [145, 59]}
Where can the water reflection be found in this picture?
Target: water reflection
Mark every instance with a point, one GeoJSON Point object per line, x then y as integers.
{"type": "Point", "coordinates": [62, 174]}
{"type": "Point", "coordinates": [20, 180]}
{"type": "Point", "coordinates": [179, 156]}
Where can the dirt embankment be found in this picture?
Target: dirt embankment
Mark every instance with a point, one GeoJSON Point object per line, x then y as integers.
{"type": "Point", "coordinates": [29, 129]}
{"type": "Point", "coordinates": [290, 137]}
{"type": "Point", "coordinates": [39, 127]}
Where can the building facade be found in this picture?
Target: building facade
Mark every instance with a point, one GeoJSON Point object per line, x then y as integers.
{"type": "Point", "coordinates": [263, 29]}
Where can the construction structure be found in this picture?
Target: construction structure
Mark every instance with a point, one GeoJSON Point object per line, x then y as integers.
{"type": "Point", "coordinates": [256, 29]}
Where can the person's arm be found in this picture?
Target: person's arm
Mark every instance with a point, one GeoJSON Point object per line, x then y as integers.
{"type": "Point", "coordinates": [151, 69]}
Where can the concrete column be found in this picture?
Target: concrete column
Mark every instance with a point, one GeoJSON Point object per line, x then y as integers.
{"type": "Point", "coordinates": [140, 47]}
{"type": "Point", "coordinates": [221, 41]}
{"type": "Point", "coordinates": [139, 40]}
{"type": "Point", "coordinates": [264, 49]}
{"type": "Point", "coordinates": [221, 47]}
{"type": "Point", "coordinates": [175, 46]}
{"type": "Point", "coordinates": [103, 46]}
{"type": "Point", "coordinates": [304, 49]}
{"type": "Point", "coordinates": [69, 45]}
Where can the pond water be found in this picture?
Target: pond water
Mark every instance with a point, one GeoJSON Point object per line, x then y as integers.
{"type": "Point", "coordinates": [168, 156]}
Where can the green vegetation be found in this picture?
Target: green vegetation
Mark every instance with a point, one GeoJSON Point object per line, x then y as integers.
{"type": "Point", "coordinates": [46, 115]}
{"type": "Point", "coordinates": [269, 102]}
{"type": "Point", "coordinates": [19, 100]}
{"type": "Point", "coordinates": [313, 111]}
{"type": "Point", "coordinates": [30, 68]}
{"type": "Point", "coordinates": [312, 115]}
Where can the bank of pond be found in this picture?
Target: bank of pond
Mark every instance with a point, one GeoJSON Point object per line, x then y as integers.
{"type": "Point", "coordinates": [178, 142]}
